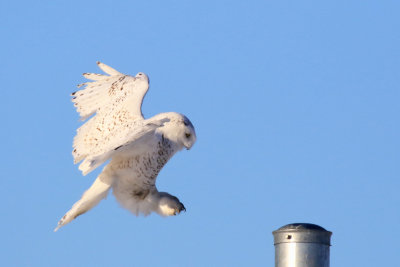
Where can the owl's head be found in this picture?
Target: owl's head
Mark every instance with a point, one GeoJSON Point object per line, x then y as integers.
{"type": "Point", "coordinates": [188, 134]}
{"type": "Point", "coordinates": [179, 129]}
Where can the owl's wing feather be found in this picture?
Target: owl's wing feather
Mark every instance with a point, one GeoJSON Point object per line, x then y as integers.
{"type": "Point", "coordinates": [94, 76]}
{"type": "Point", "coordinates": [121, 140]}
{"type": "Point", "coordinates": [107, 69]}
{"type": "Point", "coordinates": [105, 92]}
{"type": "Point", "coordinates": [89, 199]}
{"type": "Point", "coordinates": [116, 102]}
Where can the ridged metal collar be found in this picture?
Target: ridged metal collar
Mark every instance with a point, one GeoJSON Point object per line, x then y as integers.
{"type": "Point", "coordinates": [302, 233]}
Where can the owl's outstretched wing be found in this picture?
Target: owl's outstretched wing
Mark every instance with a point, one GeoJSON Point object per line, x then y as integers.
{"type": "Point", "coordinates": [127, 137]}
{"type": "Point", "coordinates": [105, 92]}
{"type": "Point", "coordinates": [116, 102]}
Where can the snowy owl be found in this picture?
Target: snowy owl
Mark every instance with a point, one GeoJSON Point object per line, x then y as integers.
{"type": "Point", "coordinates": [137, 148]}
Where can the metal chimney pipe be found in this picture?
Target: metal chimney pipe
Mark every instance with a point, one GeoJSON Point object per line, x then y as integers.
{"type": "Point", "coordinates": [302, 245]}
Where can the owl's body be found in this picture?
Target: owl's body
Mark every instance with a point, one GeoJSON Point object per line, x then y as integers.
{"type": "Point", "coordinates": [137, 148]}
{"type": "Point", "coordinates": [136, 171]}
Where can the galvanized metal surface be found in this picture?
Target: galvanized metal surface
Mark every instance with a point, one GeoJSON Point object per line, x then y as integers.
{"type": "Point", "coordinates": [302, 245]}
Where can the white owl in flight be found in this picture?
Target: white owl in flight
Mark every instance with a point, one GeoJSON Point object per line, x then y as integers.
{"type": "Point", "coordinates": [137, 148]}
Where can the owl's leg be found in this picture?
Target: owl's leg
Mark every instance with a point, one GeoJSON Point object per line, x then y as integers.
{"type": "Point", "coordinates": [90, 198]}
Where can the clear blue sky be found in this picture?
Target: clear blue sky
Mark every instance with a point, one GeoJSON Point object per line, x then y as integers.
{"type": "Point", "coordinates": [296, 108]}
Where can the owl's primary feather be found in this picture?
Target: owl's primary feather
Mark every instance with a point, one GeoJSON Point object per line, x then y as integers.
{"type": "Point", "coordinates": [137, 148]}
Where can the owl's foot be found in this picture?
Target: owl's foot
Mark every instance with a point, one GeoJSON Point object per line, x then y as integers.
{"type": "Point", "coordinates": [169, 205]}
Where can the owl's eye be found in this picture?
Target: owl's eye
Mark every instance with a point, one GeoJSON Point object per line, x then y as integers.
{"type": "Point", "coordinates": [187, 135]}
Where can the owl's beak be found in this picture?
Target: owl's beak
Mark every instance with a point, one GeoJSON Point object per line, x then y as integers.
{"type": "Point", "coordinates": [188, 146]}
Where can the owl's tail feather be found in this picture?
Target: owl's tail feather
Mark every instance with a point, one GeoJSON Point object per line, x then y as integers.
{"type": "Point", "coordinates": [90, 199]}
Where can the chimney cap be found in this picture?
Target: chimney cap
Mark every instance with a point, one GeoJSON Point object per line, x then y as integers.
{"type": "Point", "coordinates": [302, 233]}
{"type": "Point", "coordinates": [301, 227]}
